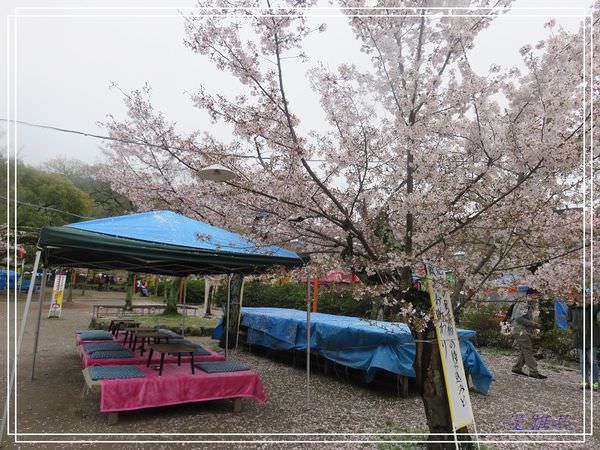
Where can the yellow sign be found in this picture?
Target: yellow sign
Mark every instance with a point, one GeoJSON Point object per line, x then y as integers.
{"type": "Point", "coordinates": [457, 388]}
{"type": "Point", "coordinates": [57, 295]}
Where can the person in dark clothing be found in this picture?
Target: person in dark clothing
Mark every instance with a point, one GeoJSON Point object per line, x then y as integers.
{"type": "Point", "coordinates": [586, 348]}
{"type": "Point", "coordinates": [523, 326]}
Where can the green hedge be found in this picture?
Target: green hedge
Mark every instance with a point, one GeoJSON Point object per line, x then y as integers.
{"type": "Point", "coordinates": [195, 290]}
{"type": "Point", "coordinates": [332, 299]}
{"type": "Point", "coordinates": [482, 318]}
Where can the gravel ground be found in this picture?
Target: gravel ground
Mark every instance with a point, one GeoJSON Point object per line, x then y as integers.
{"type": "Point", "coordinates": [53, 403]}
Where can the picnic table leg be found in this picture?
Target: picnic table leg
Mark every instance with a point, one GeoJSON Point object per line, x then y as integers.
{"type": "Point", "coordinates": [134, 342]}
{"type": "Point", "coordinates": [113, 418]}
{"type": "Point", "coordinates": [162, 362]}
{"type": "Point", "coordinates": [142, 348]}
{"type": "Point", "coordinates": [178, 358]}
{"type": "Point", "coordinates": [237, 405]}
{"type": "Point", "coordinates": [150, 357]}
{"type": "Point", "coordinates": [192, 362]}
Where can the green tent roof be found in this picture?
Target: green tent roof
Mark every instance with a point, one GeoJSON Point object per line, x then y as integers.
{"type": "Point", "coordinates": [145, 243]}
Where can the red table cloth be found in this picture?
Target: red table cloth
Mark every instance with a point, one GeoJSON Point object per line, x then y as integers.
{"type": "Point", "coordinates": [177, 385]}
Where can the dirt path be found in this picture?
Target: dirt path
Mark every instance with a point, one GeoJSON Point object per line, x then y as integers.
{"type": "Point", "coordinates": [53, 402]}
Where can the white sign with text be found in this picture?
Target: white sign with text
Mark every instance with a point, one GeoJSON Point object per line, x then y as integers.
{"type": "Point", "coordinates": [452, 364]}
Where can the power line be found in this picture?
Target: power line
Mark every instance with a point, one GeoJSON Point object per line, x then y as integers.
{"type": "Point", "coordinates": [134, 142]}
{"type": "Point", "coordinates": [20, 202]}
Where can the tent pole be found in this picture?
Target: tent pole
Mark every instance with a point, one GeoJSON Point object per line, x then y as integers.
{"type": "Point", "coordinates": [227, 312]}
{"type": "Point", "coordinates": [39, 320]}
{"type": "Point", "coordinates": [20, 341]}
{"type": "Point", "coordinates": [308, 308]}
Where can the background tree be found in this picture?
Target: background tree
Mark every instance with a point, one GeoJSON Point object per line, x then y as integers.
{"type": "Point", "coordinates": [44, 199]}
{"type": "Point", "coordinates": [423, 160]}
{"type": "Point", "coordinates": [105, 201]}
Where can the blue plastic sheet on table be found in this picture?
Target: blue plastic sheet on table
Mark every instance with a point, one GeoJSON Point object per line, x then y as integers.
{"type": "Point", "coordinates": [222, 366]}
{"type": "Point", "coordinates": [114, 372]}
{"type": "Point", "coordinates": [94, 335]}
{"type": "Point", "coordinates": [110, 354]}
{"type": "Point", "coordinates": [560, 314]}
{"type": "Point", "coordinates": [362, 344]}
{"type": "Point", "coordinates": [100, 346]}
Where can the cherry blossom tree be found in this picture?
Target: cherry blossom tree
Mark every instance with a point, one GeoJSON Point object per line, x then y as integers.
{"type": "Point", "coordinates": [420, 159]}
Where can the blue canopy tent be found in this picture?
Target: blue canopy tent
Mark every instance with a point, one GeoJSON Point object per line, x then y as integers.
{"type": "Point", "coordinates": [160, 242]}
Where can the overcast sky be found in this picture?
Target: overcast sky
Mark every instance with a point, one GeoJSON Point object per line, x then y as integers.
{"type": "Point", "coordinates": [64, 66]}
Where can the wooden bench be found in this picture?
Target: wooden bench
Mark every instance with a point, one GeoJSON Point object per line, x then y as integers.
{"type": "Point", "coordinates": [94, 386]}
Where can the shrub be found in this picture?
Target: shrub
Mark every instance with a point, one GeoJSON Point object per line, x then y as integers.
{"type": "Point", "coordinates": [484, 320]}
{"type": "Point", "coordinates": [559, 342]}
{"type": "Point", "coordinates": [332, 299]}
{"type": "Point", "coordinates": [195, 290]}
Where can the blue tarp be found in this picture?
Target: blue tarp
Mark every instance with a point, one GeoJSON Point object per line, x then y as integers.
{"type": "Point", "coordinates": [560, 314]}
{"type": "Point", "coordinates": [7, 278]}
{"type": "Point", "coordinates": [166, 227]}
{"type": "Point", "coordinates": [358, 343]}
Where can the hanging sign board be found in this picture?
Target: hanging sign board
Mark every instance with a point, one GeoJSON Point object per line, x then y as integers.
{"type": "Point", "coordinates": [452, 364]}
{"type": "Point", "coordinates": [57, 295]}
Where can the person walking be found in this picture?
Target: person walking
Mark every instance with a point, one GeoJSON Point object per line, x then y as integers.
{"type": "Point", "coordinates": [523, 326]}
{"type": "Point", "coordinates": [586, 348]}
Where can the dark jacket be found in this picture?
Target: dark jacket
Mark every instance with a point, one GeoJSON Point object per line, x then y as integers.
{"type": "Point", "coordinates": [575, 320]}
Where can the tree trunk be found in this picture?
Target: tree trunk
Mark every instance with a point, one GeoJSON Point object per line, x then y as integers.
{"type": "Point", "coordinates": [72, 279]}
{"type": "Point", "coordinates": [434, 395]}
{"type": "Point", "coordinates": [172, 297]}
{"type": "Point", "coordinates": [233, 311]}
{"type": "Point", "coordinates": [128, 302]}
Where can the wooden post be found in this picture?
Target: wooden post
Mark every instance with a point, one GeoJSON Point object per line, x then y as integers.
{"type": "Point", "coordinates": [315, 294]}
{"type": "Point", "coordinates": [237, 405]}
{"type": "Point", "coordinates": [419, 362]}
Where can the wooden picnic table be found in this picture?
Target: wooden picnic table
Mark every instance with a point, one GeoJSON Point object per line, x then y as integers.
{"type": "Point", "coordinates": [147, 335]}
{"type": "Point", "coordinates": [115, 325]}
{"type": "Point", "coordinates": [171, 348]}
{"type": "Point", "coordinates": [130, 331]}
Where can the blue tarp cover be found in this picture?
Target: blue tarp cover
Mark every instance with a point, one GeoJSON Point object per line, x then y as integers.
{"type": "Point", "coordinates": [166, 227]}
{"type": "Point", "coordinates": [560, 314]}
{"type": "Point", "coordinates": [358, 343]}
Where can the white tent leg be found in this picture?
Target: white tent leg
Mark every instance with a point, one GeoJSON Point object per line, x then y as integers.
{"type": "Point", "coordinates": [20, 341]}
{"type": "Point", "coordinates": [227, 312]}
{"type": "Point", "coordinates": [308, 341]}
{"type": "Point", "coordinates": [39, 320]}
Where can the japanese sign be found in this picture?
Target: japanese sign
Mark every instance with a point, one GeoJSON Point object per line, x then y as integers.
{"type": "Point", "coordinates": [57, 295]}
{"type": "Point", "coordinates": [454, 371]}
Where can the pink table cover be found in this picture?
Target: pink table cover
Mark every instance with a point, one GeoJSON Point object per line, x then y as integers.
{"type": "Point", "coordinates": [177, 385]}
{"type": "Point", "coordinates": [87, 360]}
